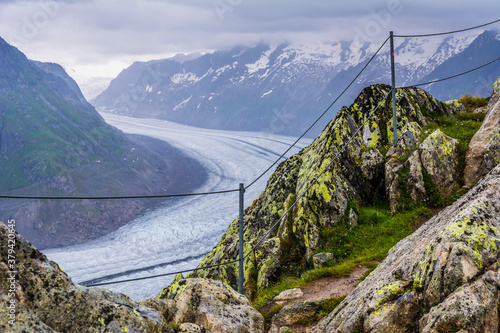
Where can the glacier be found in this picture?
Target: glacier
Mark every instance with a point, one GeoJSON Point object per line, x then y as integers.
{"type": "Point", "coordinates": [176, 235]}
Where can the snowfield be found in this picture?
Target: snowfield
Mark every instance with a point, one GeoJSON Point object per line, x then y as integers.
{"type": "Point", "coordinates": [175, 236]}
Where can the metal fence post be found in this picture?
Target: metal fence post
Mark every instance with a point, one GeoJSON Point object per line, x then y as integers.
{"type": "Point", "coordinates": [241, 275]}
{"type": "Point", "coordinates": [393, 76]}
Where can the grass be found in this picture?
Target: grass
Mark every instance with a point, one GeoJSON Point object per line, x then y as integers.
{"type": "Point", "coordinates": [378, 230]}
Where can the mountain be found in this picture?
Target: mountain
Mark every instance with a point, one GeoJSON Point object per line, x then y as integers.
{"type": "Point", "coordinates": [284, 88]}
{"type": "Point", "coordinates": [54, 143]}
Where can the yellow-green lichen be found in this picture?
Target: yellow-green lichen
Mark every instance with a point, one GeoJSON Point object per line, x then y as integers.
{"type": "Point", "coordinates": [388, 292]}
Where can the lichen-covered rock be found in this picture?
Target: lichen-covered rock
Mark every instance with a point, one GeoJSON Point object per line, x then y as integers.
{"type": "Point", "coordinates": [445, 273]}
{"type": "Point", "coordinates": [46, 300]}
{"type": "Point", "coordinates": [416, 186]}
{"type": "Point", "coordinates": [473, 306]}
{"type": "Point", "coordinates": [372, 164]}
{"type": "Point", "coordinates": [214, 306]}
{"type": "Point", "coordinates": [295, 313]}
{"type": "Point", "coordinates": [484, 148]}
{"type": "Point", "coordinates": [439, 156]}
{"type": "Point", "coordinates": [392, 169]}
{"type": "Point", "coordinates": [357, 174]}
{"type": "Point", "coordinates": [455, 106]}
{"type": "Point", "coordinates": [288, 295]}
{"type": "Point", "coordinates": [409, 139]}
{"type": "Point", "coordinates": [480, 110]}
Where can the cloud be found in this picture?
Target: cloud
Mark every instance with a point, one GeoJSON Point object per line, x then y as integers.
{"type": "Point", "coordinates": [111, 34]}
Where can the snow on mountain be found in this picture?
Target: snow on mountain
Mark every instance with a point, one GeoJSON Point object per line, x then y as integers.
{"type": "Point", "coordinates": [275, 88]}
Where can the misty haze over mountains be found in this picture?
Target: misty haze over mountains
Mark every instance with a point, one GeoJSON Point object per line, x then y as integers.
{"type": "Point", "coordinates": [284, 88]}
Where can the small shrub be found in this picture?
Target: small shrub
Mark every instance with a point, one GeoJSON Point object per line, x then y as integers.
{"type": "Point", "coordinates": [473, 102]}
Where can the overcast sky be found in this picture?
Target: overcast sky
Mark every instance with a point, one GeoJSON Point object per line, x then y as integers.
{"type": "Point", "coordinates": [99, 38]}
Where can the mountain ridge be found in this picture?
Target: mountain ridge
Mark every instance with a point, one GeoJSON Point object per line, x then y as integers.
{"type": "Point", "coordinates": [54, 143]}
{"type": "Point", "coordinates": [278, 88]}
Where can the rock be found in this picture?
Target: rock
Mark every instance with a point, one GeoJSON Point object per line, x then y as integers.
{"type": "Point", "coordinates": [440, 273]}
{"type": "Point", "coordinates": [392, 169]}
{"type": "Point", "coordinates": [295, 314]}
{"type": "Point", "coordinates": [320, 259]}
{"type": "Point", "coordinates": [288, 295]}
{"type": "Point", "coordinates": [480, 110]}
{"type": "Point", "coordinates": [213, 305]}
{"type": "Point", "coordinates": [439, 156]}
{"type": "Point", "coordinates": [273, 329]}
{"type": "Point", "coordinates": [473, 306]}
{"type": "Point", "coordinates": [165, 308]}
{"type": "Point", "coordinates": [409, 139]}
{"type": "Point", "coordinates": [189, 328]}
{"type": "Point", "coordinates": [455, 106]}
{"type": "Point", "coordinates": [415, 185]}
{"type": "Point", "coordinates": [48, 301]}
{"type": "Point", "coordinates": [353, 218]}
{"type": "Point", "coordinates": [372, 164]}
{"type": "Point", "coordinates": [484, 148]}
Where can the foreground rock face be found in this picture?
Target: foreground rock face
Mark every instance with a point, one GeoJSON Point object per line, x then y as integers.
{"type": "Point", "coordinates": [484, 148]}
{"type": "Point", "coordinates": [358, 174]}
{"type": "Point", "coordinates": [46, 300]}
{"type": "Point", "coordinates": [444, 277]}
{"type": "Point", "coordinates": [214, 306]}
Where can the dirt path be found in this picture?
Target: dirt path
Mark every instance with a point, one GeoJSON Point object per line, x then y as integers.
{"type": "Point", "coordinates": [324, 288]}
{"type": "Point", "coordinates": [330, 287]}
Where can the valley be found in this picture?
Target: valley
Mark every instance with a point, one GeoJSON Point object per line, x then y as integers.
{"type": "Point", "coordinates": [181, 228]}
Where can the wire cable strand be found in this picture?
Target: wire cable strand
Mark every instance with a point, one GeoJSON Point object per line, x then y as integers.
{"type": "Point", "coordinates": [453, 76]}
{"type": "Point", "coordinates": [321, 116]}
{"type": "Point", "coordinates": [160, 275]}
{"type": "Point", "coordinates": [448, 32]}
{"type": "Point", "coordinates": [116, 197]}
{"type": "Point", "coordinates": [316, 179]}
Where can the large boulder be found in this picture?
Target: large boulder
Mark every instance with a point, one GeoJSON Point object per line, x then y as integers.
{"type": "Point", "coordinates": [212, 305]}
{"type": "Point", "coordinates": [45, 299]}
{"type": "Point", "coordinates": [439, 156]}
{"type": "Point", "coordinates": [484, 148]}
{"type": "Point", "coordinates": [442, 278]}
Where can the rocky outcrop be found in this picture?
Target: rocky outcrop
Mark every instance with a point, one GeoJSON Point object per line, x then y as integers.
{"type": "Point", "coordinates": [358, 174]}
{"type": "Point", "coordinates": [45, 299]}
{"type": "Point", "coordinates": [484, 149]}
{"type": "Point", "coordinates": [436, 156]}
{"type": "Point", "coordinates": [439, 156]}
{"type": "Point", "coordinates": [442, 278]}
{"type": "Point", "coordinates": [213, 306]}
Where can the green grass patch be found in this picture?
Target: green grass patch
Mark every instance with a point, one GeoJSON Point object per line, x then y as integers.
{"type": "Point", "coordinates": [471, 116]}
{"type": "Point", "coordinates": [377, 231]}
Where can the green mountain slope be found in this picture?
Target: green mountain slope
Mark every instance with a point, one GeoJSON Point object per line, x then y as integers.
{"type": "Point", "coordinates": [53, 142]}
